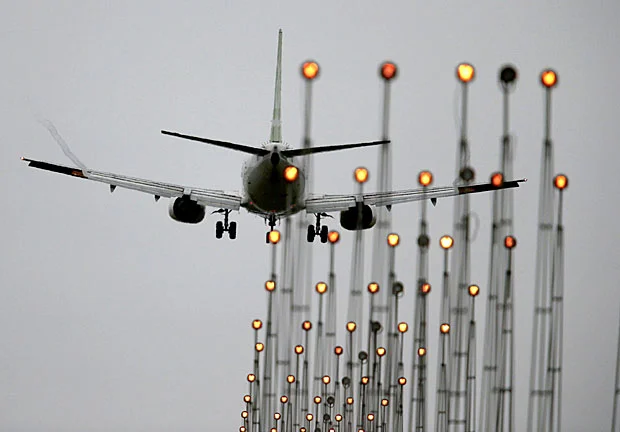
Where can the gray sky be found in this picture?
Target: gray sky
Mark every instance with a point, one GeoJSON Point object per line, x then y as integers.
{"type": "Point", "coordinates": [114, 317]}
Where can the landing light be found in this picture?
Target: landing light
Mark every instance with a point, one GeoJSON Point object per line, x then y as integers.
{"type": "Point", "coordinates": [291, 173]}
{"type": "Point", "coordinates": [474, 290]}
{"type": "Point", "coordinates": [403, 327]}
{"type": "Point", "coordinates": [560, 181]}
{"type": "Point", "coordinates": [393, 239]}
{"type": "Point", "coordinates": [274, 236]}
{"type": "Point", "coordinates": [310, 70]}
{"type": "Point", "coordinates": [549, 78]}
{"type": "Point", "coordinates": [425, 178]}
{"type": "Point", "coordinates": [446, 242]}
{"type": "Point", "coordinates": [373, 287]}
{"type": "Point", "coordinates": [270, 285]}
{"type": "Point", "coordinates": [444, 328]}
{"type": "Point", "coordinates": [361, 175]}
{"type": "Point", "coordinates": [321, 287]}
{"type": "Point", "coordinates": [333, 237]}
{"type": "Point", "coordinates": [421, 351]}
{"type": "Point", "coordinates": [465, 72]}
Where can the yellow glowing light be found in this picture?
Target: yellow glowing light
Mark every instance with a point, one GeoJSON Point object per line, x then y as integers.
{"type": "Point", "coordinates": [302, 429]}
{"type": "Point", "coordinates": [388, 70]}
{"type": "Point", "coordinates": [242, 429]}
{"type": "Point", "coordinates": [309, 417]}
{"type": "Point", "coordinates": [259, 346]}
{"type": "Point", "coordinates": [251, 377]}
{"type": "Point", "coordinates": [244, 414]}
{"type": "Point", "coordinates": [497, 179]}
{"type": "Point", "coordinates": [306, 325]}
{"type": "Point", "coordinates": [381, 351]}
{"type": "Point", "coordinates": [444, 328]}
{"type": "Point", "coordinates": [350, 400]}
{"type": "Point", "coordinates": [421, 351]}
{"type": "Point", "coordinates": [385, 402]}
{"type": "Point", "coordinates": [273, 430]}
{"type": "Point", "coordinates": [425, 288]}
{"type": "Point", "coordinates": [291, 173]}
{"type": "Point", "coordinates": [465, 72]}
{"type": "Point", "coordinates": [373, 287]}
{"type": "Point", "coordinates": [310, 70]}
{"type": "Point", "coordinates": [351, 326]}
{"type": "Point", "coordinates": [299, 349]}
{"type": "Point", "coordinates": [393, 239]}
{"type": "Point", "coordinates": [370, 417]}
{"type": "Point", "coordinates": [277, 416]}
{"type": "Point", "coordinates": [365, 380]}
{"type": "Point", "coordinates": [317, 400]}
{"type": "Point", "coordinates": [403, 327]}
{"type": "Point", "coordinates": [338, 417]}
{"type": "Point", "coordinates": [361, 175]}
{"type": "Point", "coordinates": [474, 290]}
{"type": "Point", "coordinates": [274, 236]}
{"type": "Point", "coordinates": [425, 178]}
{"type": "Point", "coordinates": [402, 381]}
{"type": "Point", "coordinates": [290, 379]}
{"type": "Point", "coordinates": [446, 242]}
{"type": "Point", "coordinates": [270, 285]}
{"type": "Point", "coordinates": [326, 379]}
{"type": "Point", "coordinates": [549, 78]}
{"type": "Point", "coordinates": [247, 398]}
{"type": "Point", "coordinates": [338, 350]}
{"type": "Point", "coordinates": [321, 287]}
{"type": "Point", "coordinates": [257, 324]}
{"type": "Point", "coordinates": [284, 399]}
{"type": "Point", "coordinates": [333, 237]}
{"type": "Point", "coordinates": [560, 181]}
{"type": "Point", "coordinates": [510, 242]}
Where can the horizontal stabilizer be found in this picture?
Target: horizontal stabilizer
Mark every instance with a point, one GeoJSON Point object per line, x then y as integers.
{"type": "Point", "coordinates": [322, 149]}
{"type": "Point", "coordinates": [238, 147]}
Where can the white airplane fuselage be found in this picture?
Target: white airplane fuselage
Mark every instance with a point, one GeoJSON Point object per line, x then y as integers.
{"type": "Point", "coordinates": [266, 189]}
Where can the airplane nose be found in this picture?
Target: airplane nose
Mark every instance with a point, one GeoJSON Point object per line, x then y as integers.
{"type": "Point", "coordinates": [275, 158]}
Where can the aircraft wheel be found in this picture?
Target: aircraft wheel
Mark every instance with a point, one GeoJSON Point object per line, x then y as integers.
{"type": "Point", "coordinates": [219, 229]}
{"type": "Point", "coordinates": [324, 234]}
{"type": "Point", "coordinates": [232, 230]}
{"type": "Point", "coordinates": [311, 233]}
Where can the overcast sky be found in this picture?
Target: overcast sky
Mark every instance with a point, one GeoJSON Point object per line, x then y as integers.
{"type": "Point", "coordinates": [115, 317]}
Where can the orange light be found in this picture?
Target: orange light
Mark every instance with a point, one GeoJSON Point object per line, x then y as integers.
{"type": "Point", "coordinates": [338, 417]}
{"type": "Point", "coordinates": [251, 378]}
{"type": "Point", "coordinates": [446, 242]}
{"type": "Point", "coordinates": [510, 242]}
{"type": "Point", "coordinates": [247, 398]}
{"type": "Point", "coordinates": [421, 351]}
{"type": "Point", "coordinates": [393, 239]}
{"type": "Point", "coordinates": [403, 327]}
{"type": "Point", "coordinates": [284, 399]}
{"type": "Point", "coordinates": [244, 414]}
{"type": "Point", "coordinates": [444, 328]}
{"type": "Point", "coordinates": [309, 417]}
{"type": "Point", "coordinates": [365, 380]}
{"type": "Point", "coordinates": [402, 381]}
{"type": "Point", "coordinates": [326, 379]}
{"type": "Point", "coordinates": [317, 400]}
{"type": "Point", "coordinates": [299, 349]}
{"type": "Point", "coordinates": [259, 346]}
{"type": "Point", "coordinates": [310, 70]}
{"type": "Point", "coordinates": [306, 325]}
{"type": "Point", "coordinates": [338, 350]}
{"type": "Point", "coordinates": [370, 417]}
{"type": "Point", "coordinates": [373, 287]}
{"type": "Point", "coordinates": [361, 175]}
{"type": "Point", "coordinates": [425, 288]}
{"type": "Point", "coordinates": [385, 402]}
{"type": "Point", "coordinates": [560, 181]}
{"type": "Point", "coordinates": [274, 236]}
{"type": "Point", "coordinates": [381, 351]}
{"type": "Point", "coordinates": [321, 287]}
{"type": "Point", "coordinates": [388, 71]}
{"type": "Point", "coordinates": [497, 179]}
{"type": "Point", "coordinates": [242, 429]}
{"type": "Point", "coordinates": [257, 324]}
{"type": "Point", "coordinates": [277, 416]}
{"type": "Point", "coordinates": [291, 173]}
{"type": "Point", "coordinates": [474, 290]}
{"type": "Point", "coordinates": [333, 237]}
{"type": "Point", "coordinates": [350, 400]}
{"type": "Point", "coordinates": [290, 379]}
{"type": "Point", "coordinates": [465, 72]}
{"type": "Point", "coordinates": [549, 78]}
{"type": "Point", "coordinates": [273, 430]}
{"type": "Point", "coordinates": [351, 326]}
{"type": "Point", "coordinates": [270, 285]}
{"type": "Point", "coordinates": [425, 178]}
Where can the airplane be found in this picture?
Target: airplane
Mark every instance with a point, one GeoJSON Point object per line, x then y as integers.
{"type": "Point", "coordinates": [272, 180]}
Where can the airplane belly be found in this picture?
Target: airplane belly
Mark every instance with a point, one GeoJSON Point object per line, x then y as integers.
{"type": "Point", "coordinates": [269, 192]}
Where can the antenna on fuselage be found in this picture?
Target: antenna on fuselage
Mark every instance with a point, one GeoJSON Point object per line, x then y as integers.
{"type": "Point", "coordinates": [276, 124]}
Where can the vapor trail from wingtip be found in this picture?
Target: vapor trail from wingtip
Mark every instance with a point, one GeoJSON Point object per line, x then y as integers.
{"type": "Point", "coordinates": [61, 142]}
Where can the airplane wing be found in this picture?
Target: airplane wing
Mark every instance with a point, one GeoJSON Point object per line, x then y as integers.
{"type": "Point", "coordinates": [333, 203]}
{"type": "Point", "coordinates": [206, 197]}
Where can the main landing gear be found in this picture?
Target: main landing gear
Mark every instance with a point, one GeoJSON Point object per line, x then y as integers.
{"type": "Point", "coordinates": [220, 226]}
{"type": "Point", "coordinates": [319, 230]}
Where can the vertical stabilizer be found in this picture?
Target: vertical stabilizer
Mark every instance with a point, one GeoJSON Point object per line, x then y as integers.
{"type": "Point", "coordinates": [276, 124]}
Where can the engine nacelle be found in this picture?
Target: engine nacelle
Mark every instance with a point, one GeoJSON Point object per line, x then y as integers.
{"type": "Point", "coordinates": [185, 210]}
{"type": "Point", "coordinates": [349, 218]}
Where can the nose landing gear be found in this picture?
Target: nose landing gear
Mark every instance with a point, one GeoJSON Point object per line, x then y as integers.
{"type": "Point", "coordinates": [272, 224]}
{"type": "Point", "coordinates": [319, 230]}
{"type": "Point", "coordinates": [221, 227]}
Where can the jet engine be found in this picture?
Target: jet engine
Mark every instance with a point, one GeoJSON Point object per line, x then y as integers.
{"type": "Point", "coordinates": [349, 218]}
{"type": "Point", "coordinates": [185, 210]}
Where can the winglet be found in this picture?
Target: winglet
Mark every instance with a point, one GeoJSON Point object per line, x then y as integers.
{"type": "Point", "coordinates": [276, 123]}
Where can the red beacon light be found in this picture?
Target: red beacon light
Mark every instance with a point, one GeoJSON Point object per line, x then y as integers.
{"type": "Point", "coordinates": [388, 71]}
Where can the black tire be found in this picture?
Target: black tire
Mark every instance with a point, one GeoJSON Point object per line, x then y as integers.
{"type": "Point", "coordinates": [219, 229]}
{"type": "Point", "coordinates": [311, 233]}
{"type": "Point", "coordinates": [324, 233]}
{"type": "Point", "coordinates": [232, 230]}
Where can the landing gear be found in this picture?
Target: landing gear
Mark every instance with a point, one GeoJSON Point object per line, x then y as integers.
{"type": "Point", "coordinates": [321, 231]}
{"type": "Point", "coordinates": [221, 227]}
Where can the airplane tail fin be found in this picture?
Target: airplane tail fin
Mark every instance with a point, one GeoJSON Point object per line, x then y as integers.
{"type": "Point", "coordinates": [276, 123]}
